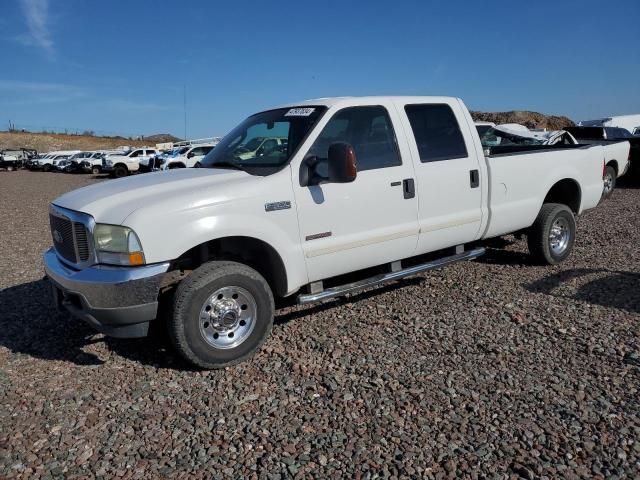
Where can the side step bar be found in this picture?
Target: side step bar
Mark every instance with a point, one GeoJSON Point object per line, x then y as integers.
{"type": "Point", "coordinates": [387, 277]}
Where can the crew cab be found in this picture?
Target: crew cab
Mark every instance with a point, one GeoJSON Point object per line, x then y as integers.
{"type": "Point", "coordinates": [121, 165]}
{"type": "Point", "coordinates": [368, 190]}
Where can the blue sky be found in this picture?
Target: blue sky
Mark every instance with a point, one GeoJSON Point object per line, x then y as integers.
{"type": "Point", "coordinates": [120, 66]}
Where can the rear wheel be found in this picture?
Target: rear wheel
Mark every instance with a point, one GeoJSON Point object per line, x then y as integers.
{"type": "Point", "coordinates": [10, 168]}
{"type": "Point", "coordinates": [95, 170]}
{"type": "Point", "coordinates": [46, 168]}
{"type": "Point", "coordinates": [609, 182]}
{"type": "Point", "coordinates": [552, 235]}
{"type": "Point", "coordinates": [120, 171]}
{"type": "Point", "coordinates": [223, 312]}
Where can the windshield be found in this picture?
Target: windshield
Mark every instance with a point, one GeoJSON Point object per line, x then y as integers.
{"type": "Point", "coordinates": [265, 142]}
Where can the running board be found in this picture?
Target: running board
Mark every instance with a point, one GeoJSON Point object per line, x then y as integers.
{"type": "Point", "coordinates": [387, 277]}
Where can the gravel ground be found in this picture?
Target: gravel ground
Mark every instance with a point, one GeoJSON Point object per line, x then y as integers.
{"type": "Point", "coordinates": [491, 369]}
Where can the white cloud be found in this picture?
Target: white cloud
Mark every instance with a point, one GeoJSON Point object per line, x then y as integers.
{"type": "Point", "coordinates": [36, 14]}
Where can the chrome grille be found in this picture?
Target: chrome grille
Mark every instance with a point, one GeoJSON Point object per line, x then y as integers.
{"type": "Point", "coordinates": [62, 233]}
{"type": "Point", "coordinates": [82, 243]}
{"type": "Point", "coordinates": [72, 234]}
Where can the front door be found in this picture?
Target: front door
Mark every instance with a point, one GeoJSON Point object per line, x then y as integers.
{"type": "Point", "coordinates": [371, 221]}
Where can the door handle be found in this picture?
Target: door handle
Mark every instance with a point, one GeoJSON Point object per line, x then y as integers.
{"type": "Point", "coordinates": [408, 188]}
{"type": "Point", "coordinates": [474, 178]}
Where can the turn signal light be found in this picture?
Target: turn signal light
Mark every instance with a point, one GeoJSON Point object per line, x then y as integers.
{"type": "Point", "coordinates": [136, 258]}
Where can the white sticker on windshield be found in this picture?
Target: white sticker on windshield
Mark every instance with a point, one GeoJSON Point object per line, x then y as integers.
{"type": "Point", "coordinates": [299, 112]}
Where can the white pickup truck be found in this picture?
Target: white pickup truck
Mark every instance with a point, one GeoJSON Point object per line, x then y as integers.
{"type": "Point", "coordinates": [121, 165]}
{"type": "Point", "coordinates": [371, 183]}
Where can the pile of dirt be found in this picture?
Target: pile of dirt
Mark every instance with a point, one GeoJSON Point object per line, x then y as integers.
{"type": "Point", "coordinates": [528, 119]}
{"type": "Point", "coordinates": [48, 142]}
{"type": "Point", "coordinates": [162, 138]}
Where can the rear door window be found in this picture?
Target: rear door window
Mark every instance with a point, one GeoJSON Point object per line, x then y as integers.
{"type": "Point", "coordinates": [437, 133]}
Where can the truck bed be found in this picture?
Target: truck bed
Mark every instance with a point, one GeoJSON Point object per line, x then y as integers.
{"type": "Point", "coordinates": [518, 173]}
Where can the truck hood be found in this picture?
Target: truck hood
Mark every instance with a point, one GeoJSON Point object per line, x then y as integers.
{"type": "Point", "coordinates": [113, 201]}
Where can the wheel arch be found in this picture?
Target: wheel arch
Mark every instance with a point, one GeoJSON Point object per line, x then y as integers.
{"type": "Point", "coordinates": [253, 252]}
{"type": "Point", "coordinates": [614, 163]}
{"type": "Point", "coordinates": [567, 192]}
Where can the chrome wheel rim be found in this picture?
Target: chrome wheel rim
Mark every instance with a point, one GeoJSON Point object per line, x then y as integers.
{"type": "Point", "coordinates": [228, 317]}
{"type": "Point", "coordinates": [559, 236]}
{"type": "Point", "coordinates": [608, 183]}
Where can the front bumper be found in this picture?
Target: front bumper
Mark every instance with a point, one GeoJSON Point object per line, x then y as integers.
{"type": "Point", "coordinates": [117, 301]}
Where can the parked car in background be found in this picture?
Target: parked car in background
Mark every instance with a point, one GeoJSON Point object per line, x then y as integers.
{"type": "Point", "coordinates": [483, 127]}
{"type": "Point", "coordinates": [516, 134]}
{"type": "Point", "coordinates": [261, 147]}
{"type": "Point", "coordinates": [188, 158]}
{"type": "Point", "coordinates": [122, 165]}
{"type": "Point", "coordinates": [93, 163]}
{"type": "Point", "coordinates": [636, 131]}
{"type": "Point", "coordinates": [157, 161]}
{"type": "Point", "coordinates": [9, 162]}
{"type": "Point", "coordinates": [50, 161]}
{"type": "Point", "coordinates": [628, 122]}
{"type": "Point", "coordinates": [366, 187]}
{"type": "Point", "coordinates": [612, 135]}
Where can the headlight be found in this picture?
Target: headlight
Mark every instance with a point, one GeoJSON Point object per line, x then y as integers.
{"type": "Point", "coordinates": [116, 245]}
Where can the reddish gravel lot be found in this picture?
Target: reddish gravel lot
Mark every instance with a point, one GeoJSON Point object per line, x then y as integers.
{"type": "Point", "coordinates": [491, 369]}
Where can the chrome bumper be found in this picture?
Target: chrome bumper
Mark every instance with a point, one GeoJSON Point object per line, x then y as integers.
{"type": "Point", "coordinates": [117, 301]}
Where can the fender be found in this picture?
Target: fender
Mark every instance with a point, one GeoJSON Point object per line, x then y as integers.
{"type": "Point", "coordinates": [167, 232]}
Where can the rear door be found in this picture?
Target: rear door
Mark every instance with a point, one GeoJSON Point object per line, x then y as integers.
{"type": "Point", "coordinates": [448, 171]}
{"type": "Point", "coordinates": [345, 227]}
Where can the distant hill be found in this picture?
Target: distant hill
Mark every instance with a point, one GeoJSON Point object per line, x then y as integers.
{"type": "Point", "coordinates": [47, 142]}
{"type": "Point", "coordinates": [528, 119]}
{"type": "Point", "coordinates": [161, 138]}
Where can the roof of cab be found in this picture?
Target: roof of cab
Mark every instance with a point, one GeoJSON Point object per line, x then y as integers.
{"type": "Point", "coordinates": [331, 101]}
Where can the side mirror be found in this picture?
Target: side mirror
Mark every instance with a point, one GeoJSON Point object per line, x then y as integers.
{"type": "Point", "coordinates": [190, 154]}
{"type": "Point", "coordinates": [342, 163]}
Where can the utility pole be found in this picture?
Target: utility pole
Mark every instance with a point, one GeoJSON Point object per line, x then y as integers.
{"type": "Point", "coordinates": [184, 98]}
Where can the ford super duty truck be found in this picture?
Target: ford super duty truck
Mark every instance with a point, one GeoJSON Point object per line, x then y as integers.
{"type": "Point", "coordinates": [366, 191]}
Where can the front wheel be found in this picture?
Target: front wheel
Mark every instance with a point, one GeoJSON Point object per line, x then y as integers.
{"type": "Point", "coordinates": [223, 312]}
{"type": "Point", "coordinates": [609, 182]}
{"type": "Point", "coordinates": [120, 171]}
{"type": "Point", "coordinates": [95, 170]}
{"type": "Point", "coordinates": [10, 168]}
{"type": "Point", "coordinates": [46, 168]}
{"type": "Point", "coordinates": [552, 235]}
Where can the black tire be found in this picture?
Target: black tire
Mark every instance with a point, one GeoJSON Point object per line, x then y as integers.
{"type": "Point", "coordinates": [46, 167]}
{"type": "Point", "coordinates": [609, 182]}
{"type": "Point", "coordinates": [95, 170]}
{"type": "Point", "coordinates": [538, 236]}
{"type": "Point", "coordinates": [120, 171]}
{"type": "Point", "coordinates": [197, 165]}
{"type": "Point", "coordinates": [192, 295]}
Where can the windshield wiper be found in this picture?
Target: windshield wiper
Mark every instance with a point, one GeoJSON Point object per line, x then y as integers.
{"type": "Point", "coordinates": [226, 164]}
